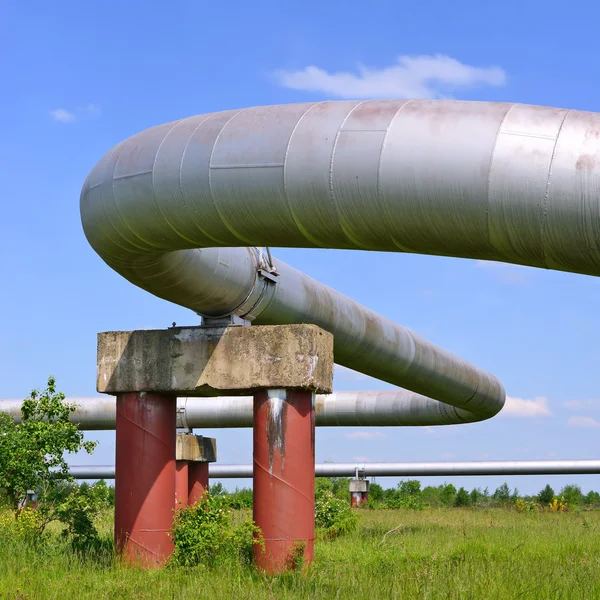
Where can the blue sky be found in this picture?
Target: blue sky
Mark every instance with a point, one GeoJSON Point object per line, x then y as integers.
{"type": "Point", "coordinates": [78, 78]}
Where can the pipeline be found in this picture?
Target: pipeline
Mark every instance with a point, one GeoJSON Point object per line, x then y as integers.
{"type": "Point", "coordinates": [348, 408]}
{"type": "Point", "coordinates": [182, 210]}
{"type": "Point", "coordinates": [410, 469]}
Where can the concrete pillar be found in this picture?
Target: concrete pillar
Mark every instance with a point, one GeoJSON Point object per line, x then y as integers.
{"type": "Point", "coordinates": [359, 492]}
{"type": "Point", "coordinates": [145, 477]}
{"type": "Point", "coordinates": [284, 478]}
{"type": "Point", "coordinates": [181, 483]}
{"type": "Point", "coordinates": [148, 369]}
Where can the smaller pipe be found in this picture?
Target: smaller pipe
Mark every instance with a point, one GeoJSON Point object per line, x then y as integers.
{"type": "Point", "coordinates": [415, 469]}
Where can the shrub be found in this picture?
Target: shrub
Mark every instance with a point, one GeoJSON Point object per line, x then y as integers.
{"type": "Point", "coordinates": [408, 496]}
{"type": "Point", "coordinates": [502, 494]}
{"type": "Point", "coordinates": [447, 494]}
{"type": "Point", "coordinates": [462, 498]}
{"type": "Point", "coordinates": [78, 510]}
{"type": "Point", "coordinates": [572, 495]}
{"type": "Point", "coordinates": [546, 495]}
{"type": "Point", "coordinates": [24, 525]}
{"type": "Point", "coordinates": [523, 506]}
{"type": "Point", "coordinates": [239, 499]}
{"type": "Point", "coordinates": [558, 505]}
{"type": "Point", "coordinates": [334, 515]}
{"type": "Point", "coordinates": [206, 534]}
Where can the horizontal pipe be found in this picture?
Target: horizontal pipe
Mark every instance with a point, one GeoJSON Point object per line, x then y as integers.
{"type": "Point", "coordinates": [414, 469]}
{"type": "Point", "coordinates": [348, 408]}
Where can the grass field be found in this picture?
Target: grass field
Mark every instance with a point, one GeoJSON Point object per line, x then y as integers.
{"type": "Point", "coordinates": [445, 553]}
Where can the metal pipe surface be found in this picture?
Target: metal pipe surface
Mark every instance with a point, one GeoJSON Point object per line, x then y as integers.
{"type": "Point", "coordinates": [346, 408]}
{"type": "Point", "coordinates": [284, 478]}
{"type": "Point", "coordinates": [145, 484]}
{"type": "Point", "coordinates": [181, 210]}
{"type": "Point", "coordinates": [394, 469]}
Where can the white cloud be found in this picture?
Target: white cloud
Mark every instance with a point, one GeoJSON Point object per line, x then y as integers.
{"type": "Point", "coordinates": [63, 116]}
{"type": "Point", "coordinates": [409, 77]}
{"type": "Point", "coordinates": [588, 422]}
{"type": "Point", "coordinates": [520, 407]}
{"type": "Point", "coordinates": [364, 435]}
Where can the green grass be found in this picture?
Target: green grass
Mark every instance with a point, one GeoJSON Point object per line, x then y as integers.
{"type": "Point", "coordinates": [446, 553]}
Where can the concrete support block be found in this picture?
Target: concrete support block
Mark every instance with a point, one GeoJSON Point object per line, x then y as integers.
{"type": "Point", "coordinates": [195, 448]}
{"type": "Point", "coordinates": [359, 485]}
{"type": "Point", "coordinates": [359, 492]}
{"type": "Point", "coordinates": [207, 361]}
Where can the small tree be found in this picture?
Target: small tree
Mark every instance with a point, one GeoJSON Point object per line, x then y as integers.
{"type": "Point", "coordinates": [32, 453]}
{"type": "Point", "coordinates": [447, 494]}
{"type": "Point", "coordinates": [475, 495]}
{"type": "Point", "coordinates": [502, 493]}
{"type": "Point", "coordinates": [375, 493]}
{"type": "Point", "coordinates": [546, 495]}
{"type": "Point", "coordinates": [573, 495]}
{"type": "Point", "coordinates": [462, 498]}
{"type": "Point", "coordinates": [592, 498]}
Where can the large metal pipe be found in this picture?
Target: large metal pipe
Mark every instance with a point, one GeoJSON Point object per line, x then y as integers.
{"type": "Point", "coordinates": [179, 210]}
{"type": "Point", "coordinates": [398, 469]}
{"type": "Point", "coordinates": [348, 408]}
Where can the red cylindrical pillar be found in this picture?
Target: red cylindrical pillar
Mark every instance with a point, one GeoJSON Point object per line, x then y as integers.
{"type": "Point", "coordinates": [358, 498]}
{"type": "Point", "coordinates": [284, 478]}
{"type": "Point", "coordinates": [181, 483]}
{"type": "Point", "coordinates": [145, 477]}
{"type": "Point", "coordinates": [197, 481]}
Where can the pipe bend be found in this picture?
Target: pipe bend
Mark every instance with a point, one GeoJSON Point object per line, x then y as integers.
{"type": "Point", "coordinates": [173, 209]}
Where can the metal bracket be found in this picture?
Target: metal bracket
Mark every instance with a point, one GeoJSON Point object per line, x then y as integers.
{"type": "Point", "coordinates": [224, 321]}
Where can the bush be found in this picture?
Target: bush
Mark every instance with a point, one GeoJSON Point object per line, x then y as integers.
{"type": "Point", "coordinates": [572, 495]}
{"type": "Point", "coordinates": [206, 534]}
{"type": "Point", "coordinates": [447, 494]}
{"type": "Point", "coordinates": [502, 494]}
{"type": "Point", "coordinates": [334, 515]}
{"type": "Point", "coordinates": [462, 498]}
{"type": "Point", "coordinates": [239, 499]}
{"type": "Point", "coordinates": [558, 505]}
{"type": "Point", "coordinates": [25, 525]}
{"type": "Point", "coordinates": [523, 506]}
{"type": "Point", "coordinates": [78, 511]}
{"type": "Point", "coordinates": [408, 496]}
{"type": "Point", "coordinates": [546, 495]}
